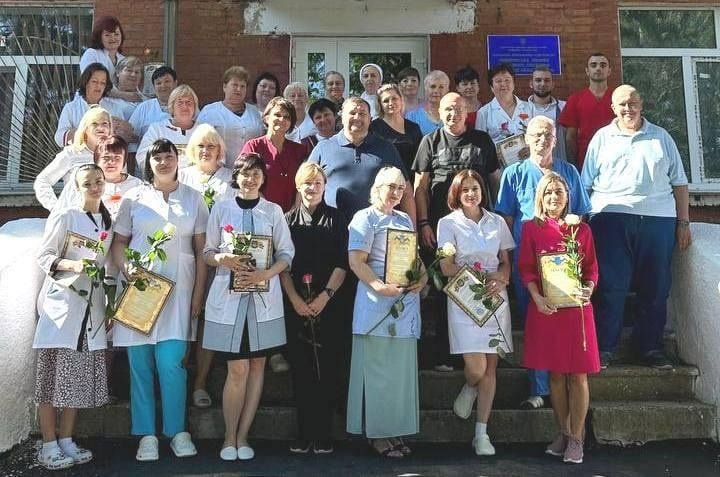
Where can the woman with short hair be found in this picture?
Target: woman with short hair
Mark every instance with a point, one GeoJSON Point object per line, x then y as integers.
{"type": "Point", "coordinates": [427, 117]}
{"type": "Point", "coordinates": [95, 125]}
{"type": "Point", "coordinates": [265, 88]}
{"type": "Point", "coordinates": [162, 203]}
{"type": "Point", "coordinates": [297, 94]}
{"type": "Point", "coordinates": [383, 395]}
{"type": "Point", "coordinates": [392, 125]}
{"type": "Point", "coordinates": [324, 116]}
{"type": "Point", "coordinates": [128, 78]}
{"type": "Point", "coordinates": [183, 107]}
{"type": "Point", "coordinates": [467, 85]}
{"type": "Point", "coordinates": [506, 115]}
{"type": "Point", "coordinates": [409, 84]}
{"type": "Point", "coordinates": [243, 328]}
{"type": "Point", "coordinates": [334, 90]}
{"type": "Point", "coordinates": [236, 120]}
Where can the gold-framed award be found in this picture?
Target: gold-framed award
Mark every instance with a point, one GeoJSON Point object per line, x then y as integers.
{"type": "Point", "coordinates": [261, 253]}
{"type": "Point", "coordinates": [400, 253]}
{"type": "Point", "coordinates": [139, 309]}
{"type": "Point", "coordinates": [459, 290]}
{"type": "Point", "coordinates": [75, 247]}
{"type": "Point", "coordinates": [557, 284]}
{"type": "Point", "coordinates": [510, 150]}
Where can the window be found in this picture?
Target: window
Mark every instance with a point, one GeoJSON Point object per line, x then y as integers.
{"type": "Point", "coordinates": [672, 56]}
{"type": "Point", "coordinates": [40, 48]}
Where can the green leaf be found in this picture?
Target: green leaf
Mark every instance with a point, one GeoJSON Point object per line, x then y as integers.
{"type": "Point", "coordinates": [478, 296]}
{"type": "Point", "coordinates": [151, 255]}
{"type": "Point", "coordinates": [501, 352]}
{"type": "Point", "coordinates": [437, 281]}
{"type": "Point", "coordinates": [392, 331]}
{"type": "Point", "coordinates": [140, 284]}
{"type": "Point", "coordinates": [399, 305]}
{"type": "Point", "coordinates": [82, 292]}
{"type": "Point", "coordinates": [161, 254]}
{"type": "Point", "coordinates": [150, 240]}
{"type": "Point", "coordinates": [410, 275]}
{"type": "Point", "coordinates": [494, 343]}
{"type": "Point", "coordinates": [394, 312]}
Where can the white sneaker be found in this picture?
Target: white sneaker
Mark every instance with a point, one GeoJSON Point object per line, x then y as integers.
{"type": "Point", "coordinates": [182, 445]}
{"type": "Point", "coordinates": [54, 459]}
{"type": "Point", "coordinates": [147, 449]}
{"type": "Point", "coordinates": [245, 453]}
{"type": "Point", "coordinates": [278, 364]}
{"type": "Point", "coordinates": [482, 445]}
{"type": "Point", "coordinates": [464, 401]}
{"type": "Point", "coordinates": [77, 453]}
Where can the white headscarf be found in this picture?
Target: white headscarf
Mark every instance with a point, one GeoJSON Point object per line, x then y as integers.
{"type": "Point", "coordinates": [376, 66]}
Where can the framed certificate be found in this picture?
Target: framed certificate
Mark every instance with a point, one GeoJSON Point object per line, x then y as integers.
{"type": "Point", "coordinates": [509, 150]}
{"type": "Point", "coordinates": [261, 251]}
{"type": "Point", "coordinates": [557, 285]}
{"type": "Point", "coordinates": [140, 309]}
{"type": "Point", "coordinates": [458, 290]}
{"type": "Point", "coordinates": [75, 247]}
{"type": "Point", "coordinates": [400, 253]}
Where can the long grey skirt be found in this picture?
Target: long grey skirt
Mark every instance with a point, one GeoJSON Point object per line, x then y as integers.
{"type": "Point", "coordinates": [383, 394]}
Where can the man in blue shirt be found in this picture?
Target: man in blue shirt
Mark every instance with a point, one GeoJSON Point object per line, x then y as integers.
{"type": "Point", "coordinates": [352, 158]}
{"type": "Point", "coordinates": [516, 202]}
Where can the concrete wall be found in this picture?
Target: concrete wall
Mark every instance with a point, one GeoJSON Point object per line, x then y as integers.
{"type": "Point", "coordinates": [20, 282]}
{"type": "Point", "coordinates": [694, 308]}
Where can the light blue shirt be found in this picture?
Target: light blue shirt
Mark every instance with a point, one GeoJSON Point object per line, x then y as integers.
{"type": "Point", "coordinates": [633, 173]}
{"type": "Point", "coordinates": [368, 233]}
{"type": "Point", "coordinates": [516, 196]}
{"type": "Point", "coordinates": [419, 116]}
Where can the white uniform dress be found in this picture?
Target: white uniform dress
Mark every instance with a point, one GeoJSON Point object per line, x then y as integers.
{"type": "Point", "coordinates": [143, 211]}
{"type": "Point", "coordinates": [235, 130]}
{"type": "Point", "coordinates": [164, 130]}
{"type": "Point", "coordinates": [61, 167]}
{"type": "Point", "coordinates": [476, 242]}
{"type": "Point", "coordinates": [493, 119]}
{"type": "Point", "coordinates": [219, 182]}
{"type": "Point", "coordinates": [94, 55]}
{"type": "Point", "coordinates": [74, 110]}
{"type": "Point", "coordinates": [302, 130]}
{"type": "Point", "coordinates": [145, 114]}
{"type": "Point", "coordinates": [112, 194]}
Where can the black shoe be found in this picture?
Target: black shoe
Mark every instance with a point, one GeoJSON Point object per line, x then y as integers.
{"type": "Point", "coordinates": [657, 359]}
{"type": "Point", "coordinates": [606, 359]}
{"type": "Point", "coordinates": [323, 447]}
{"type": "Point", "coordinates": [300, 446]}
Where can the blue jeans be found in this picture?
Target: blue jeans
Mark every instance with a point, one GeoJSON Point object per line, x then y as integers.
{"type": "Point", "coordinates": [632, 250]}
{"type": "Point", "coordinates": [167, 356]}
{"type": "Point", "coordinates": [539, 384]}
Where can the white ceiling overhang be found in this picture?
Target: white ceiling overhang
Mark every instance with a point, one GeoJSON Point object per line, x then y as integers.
{"type": "Point", "coordinates": [359, 17]}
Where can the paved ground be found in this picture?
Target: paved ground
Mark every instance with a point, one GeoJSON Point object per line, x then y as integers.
{"type": "Point", "coordinates": [115, 458]}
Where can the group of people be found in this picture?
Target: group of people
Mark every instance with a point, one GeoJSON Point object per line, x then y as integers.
{"type": "Point", "coordinates": [325, 200]}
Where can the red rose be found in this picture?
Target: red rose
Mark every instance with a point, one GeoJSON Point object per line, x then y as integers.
{"type": "Point", "coordinates": [103, 235]}
{"type": "Point", "coordinates": [504, 126]}
{"type": "Point", "coordinates": [115, 198]}
{"type": "Point", "coordinates": [228, 228]}
{"type": "Point", "coordinates": [477, 266]}
{"type": "Point", "coordinates": [307, 279]}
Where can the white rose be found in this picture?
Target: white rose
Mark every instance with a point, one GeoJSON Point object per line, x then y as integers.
{"type": "Point", "coordinates": [169, 229]}
{"type": "Point", "coordinates": [572, 219]}
{"type": "Point", "coordinates": [448, 249]}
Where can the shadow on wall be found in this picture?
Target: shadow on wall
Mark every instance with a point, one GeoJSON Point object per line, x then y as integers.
{"type": "Point", "coordinates": [20, 282]}
{"type": "Point", "coordinates": [693, 309]}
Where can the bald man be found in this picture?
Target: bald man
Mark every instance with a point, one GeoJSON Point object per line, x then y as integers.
{"type": "Point", "coordinates": [441, 155]}
{"type": "Point", "coordinates": [639, 212]}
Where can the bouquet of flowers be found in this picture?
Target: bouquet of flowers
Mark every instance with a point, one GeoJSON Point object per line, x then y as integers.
{"type": "Point", "coordinates": [90, 268]}
{"type": "Point", "coordinates": [137, 260]}
{"type": "Point", "coordinates": [574, 263]}
{"type": "Point", "coordinates": [208, 193]}
{"type": "Point", "coordinates": [414, 275]}
{"type": "Point", "coordinates": [240, 242]}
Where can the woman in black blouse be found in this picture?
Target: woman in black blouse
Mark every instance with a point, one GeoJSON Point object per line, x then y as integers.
{"type": "Point", "coordinates": [317, 315]}
{"type": "Point", "coordinates": [392, 125]}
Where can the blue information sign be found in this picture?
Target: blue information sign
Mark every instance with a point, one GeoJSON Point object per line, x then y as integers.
{"type": "Point", "coordinates": [525, 52]}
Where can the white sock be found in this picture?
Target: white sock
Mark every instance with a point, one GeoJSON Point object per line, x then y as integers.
{"type": "Point", "coordinates": [48, 447]}
{"type": "Point", "coordinates": [480, 429]}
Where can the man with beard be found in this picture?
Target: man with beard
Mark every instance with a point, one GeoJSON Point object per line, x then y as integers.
{"type": "Point", "coordinates": [587, 110]}
{"type": "Point", "coordinates": [542, 103]}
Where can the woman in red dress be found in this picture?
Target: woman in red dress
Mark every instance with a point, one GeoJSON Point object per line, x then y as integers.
{"type": "Point", "coordinates": [561, 340]}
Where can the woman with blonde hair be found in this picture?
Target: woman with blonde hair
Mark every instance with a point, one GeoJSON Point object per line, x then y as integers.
{"type": "Point", "coordinates": [183, 108]}
{"type": "Point", "coordinates": [297, 94]}
{"type": "Point", "coordinates": [383, 400]}
{"type": "Point", "coordinates": [95, 125]}
{"type": "Point", "coordinates": [561, 340]}
{"type": "Point", "coordinates": [437, 84]}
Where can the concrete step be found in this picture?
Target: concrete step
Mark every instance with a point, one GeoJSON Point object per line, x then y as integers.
{"type": "Point", "coordinates": [438, 389]}
{"type": "Point", "coordinates": [622, 423]}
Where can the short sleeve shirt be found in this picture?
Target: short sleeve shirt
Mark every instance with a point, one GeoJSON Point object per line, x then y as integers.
{"type": "Point", "coordinates": [443, 155]}
{"type": "Point", "coordinates": [587, 114]}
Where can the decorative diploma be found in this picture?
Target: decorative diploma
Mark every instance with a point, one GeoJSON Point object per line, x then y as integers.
{"type": "Point", "coordinates": [76, 247]}
{"type": "Point", "coordinates": [509, 149]}
{"type": "Point", "coordinates": [458, 289]}
{"type": "Point", "coordinates": [557, 285]}
{"type": "Point", "coordinates": [401, 252]}
{"type": "Point", "coordinates": [139, 310]}
{"type": "Point", "coordinates": [261, 250]}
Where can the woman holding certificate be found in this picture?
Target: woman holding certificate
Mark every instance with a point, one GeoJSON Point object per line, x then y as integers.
{"type": "Point", "coordinates": [383, 393]}
{"type": "Point", "coordinates": [249, 242]}
{"type": "Point", "coordinates": [70, 334]}
{"type": "Point", "coordinates": [482, 240]}
{"type": "Point", "coordinates": [162, 204]}
{"type": "Point", "coordinates": [557, 263]}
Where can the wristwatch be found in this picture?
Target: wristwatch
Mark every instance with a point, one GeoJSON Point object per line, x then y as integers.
{"type": "Point", "coordinates": [330, 292]}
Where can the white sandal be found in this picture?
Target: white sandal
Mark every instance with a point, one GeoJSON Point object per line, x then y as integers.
{"type": "Point", "coordinates": [148, 449]}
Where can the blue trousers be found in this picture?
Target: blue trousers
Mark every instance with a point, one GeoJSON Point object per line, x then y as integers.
{"type": "Point", "coordinates": [539, 380]}
{"type": "Point", "coordinates": [165, 357]}
{"type": "Point", "coordinates": [632, 250]}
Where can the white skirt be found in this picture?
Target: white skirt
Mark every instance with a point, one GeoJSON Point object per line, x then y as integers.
{"type": "Point", "coordinates": [467, 337]}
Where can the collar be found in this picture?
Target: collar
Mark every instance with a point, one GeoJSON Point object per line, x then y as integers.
{"type": "Point", "coordinates": [616, 131]}
{"type": "Point", "coordinates": [552, 102]}
{"type": "Point", "coordinates": [343, 140]}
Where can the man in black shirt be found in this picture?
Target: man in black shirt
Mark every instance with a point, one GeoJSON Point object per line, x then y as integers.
{"type": "Point", "coordinates": [441, 155]}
